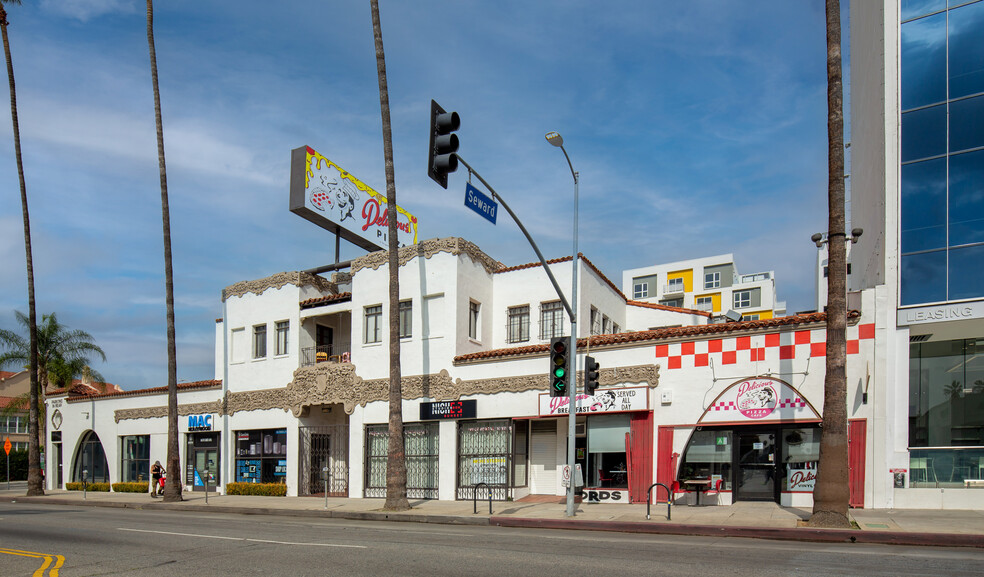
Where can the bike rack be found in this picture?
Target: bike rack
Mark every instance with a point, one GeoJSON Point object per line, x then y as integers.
{"type": "Point", "coordinates": [649, 499]}
{"type": "Point", "coordinates": [475, 497]}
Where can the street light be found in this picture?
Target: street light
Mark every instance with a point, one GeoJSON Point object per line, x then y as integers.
{"type": "Point", "coordinates": [557, 140]}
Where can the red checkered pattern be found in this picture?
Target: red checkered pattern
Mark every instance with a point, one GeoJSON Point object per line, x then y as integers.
{"type": "Point", "coordinates": [796, 403]}
{"type": "Point", "coordinates": [758, 348]}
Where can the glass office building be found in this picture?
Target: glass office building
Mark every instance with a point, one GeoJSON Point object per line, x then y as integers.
{"type": "Point", "coordinates": [941, 151]}
{"type": "Point", "coordinates": [941, 235]}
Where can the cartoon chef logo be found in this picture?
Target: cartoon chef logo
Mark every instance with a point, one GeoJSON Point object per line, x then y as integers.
{"type": "Point", "coordinates": [756, 399]}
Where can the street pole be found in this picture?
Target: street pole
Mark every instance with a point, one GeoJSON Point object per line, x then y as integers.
{"type": "Point", "coordinates": [557, 140]}
{"type": "Point", "coordinates": [572, 386]}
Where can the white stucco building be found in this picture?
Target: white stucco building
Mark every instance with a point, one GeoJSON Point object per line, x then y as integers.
{"type": "Point", "coordinates": [729, 410]}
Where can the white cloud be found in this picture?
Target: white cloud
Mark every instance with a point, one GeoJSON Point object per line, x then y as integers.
{"type": "Point", "coordinates": [83, 10]}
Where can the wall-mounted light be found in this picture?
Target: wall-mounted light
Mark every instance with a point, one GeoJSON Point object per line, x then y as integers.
{"type": "Point", "coordinates": [819, 239]}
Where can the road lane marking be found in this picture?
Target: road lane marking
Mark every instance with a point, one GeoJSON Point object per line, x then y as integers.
{"type": "Point", "coordinates": [307, 544]}
{"type": "Point", "coordinates": [242, 539]}
{"type": "Point", "coordinates": [48, 559]}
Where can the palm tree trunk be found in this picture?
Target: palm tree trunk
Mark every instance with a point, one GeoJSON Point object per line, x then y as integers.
{"type": "Point", "coordinates": [35, 484]}
{"type": "Point", "coordinates": [172, 489]}
{"type": "Point", "coordinates": [396, 464]}
{"type": "Point", "coordinates": [831, 495]}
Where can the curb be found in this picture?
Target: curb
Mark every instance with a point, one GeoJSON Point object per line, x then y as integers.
{"type": "Point", "coordinates": [324, 514]}
{"type": "Point", "coordinates": [779, 534]}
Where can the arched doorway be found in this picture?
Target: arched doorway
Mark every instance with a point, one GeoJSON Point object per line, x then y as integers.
{"type": "Point", "coordinates": [90, 460]}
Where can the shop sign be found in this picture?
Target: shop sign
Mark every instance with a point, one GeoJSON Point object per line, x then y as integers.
{"type": "Point", "coordinates": [199, 422]}
{"type": "Point", "coordinates": [937, 313]}
{"type": "Point", "coordinates": [334, 199]}
{"type": "Point", "coordinates": [759, 399]}
{"type": "Point", "coordinates": [491, 470]}
{"type": "Point", "coordinates": [448, 410]}
{"type": "Point", "coordinates": [603, 401]}
{"type": "Point", "coordinates": [802, 480]}
{"type": "Point", "coordinates": [614, 496]}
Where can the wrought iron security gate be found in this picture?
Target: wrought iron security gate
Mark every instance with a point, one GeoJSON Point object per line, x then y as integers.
{"type": "Point", "coordinates": [421, 441]}
{"type": "Point", "coordinates": [323, 447]}
{"type": "Point", "coordinates": [486, 455]}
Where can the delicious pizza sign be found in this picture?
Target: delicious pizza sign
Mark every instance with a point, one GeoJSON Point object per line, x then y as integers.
{"type": "Point", "coordinates": [332, 198]}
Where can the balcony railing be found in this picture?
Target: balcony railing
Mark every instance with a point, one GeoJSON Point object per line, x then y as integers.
{"type": "Point", "coordinates": [756, 277]}
{"type": "Point", "coordinates": [673, 288]}
{"type": "Point", "coordinates": [705, 307]}
{"type": "Point", "coordinates": [325, 354]}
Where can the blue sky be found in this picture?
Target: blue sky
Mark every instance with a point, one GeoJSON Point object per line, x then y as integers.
{"type": "Point", "coordinates": [697, 128]}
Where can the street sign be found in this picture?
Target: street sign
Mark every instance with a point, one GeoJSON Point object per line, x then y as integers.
{"type": "Point", "coordinates": [483, 205]}
{"type": "Point", "coordinates": [6, 446]}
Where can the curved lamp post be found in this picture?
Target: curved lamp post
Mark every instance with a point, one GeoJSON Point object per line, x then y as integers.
{"type": "Point", "coordinates": [557, 140]}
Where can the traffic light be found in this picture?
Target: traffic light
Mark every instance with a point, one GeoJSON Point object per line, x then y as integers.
{"type": "Point", "coordinates": [443, 144]}
{"type": "Point", "coordinates": [590, 375]}
{"type": "Point", "coordinates": [559, 365]}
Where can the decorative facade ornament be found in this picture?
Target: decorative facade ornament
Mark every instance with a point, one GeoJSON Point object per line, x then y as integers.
{"type": "Point", "coordinates": [426, 249]}
{"type": "Point", "coordinates": [161, 412]}
{"type": "Point", "coordinates": [279, 280]}
{"type": "Point", "coordinates": [338, 383]}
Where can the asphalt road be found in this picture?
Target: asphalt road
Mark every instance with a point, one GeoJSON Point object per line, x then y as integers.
{"type": "Point", "coordinates": [35, 539]}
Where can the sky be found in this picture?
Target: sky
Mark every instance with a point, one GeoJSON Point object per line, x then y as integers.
{"type": "Point", "coordinates": [697, 128]}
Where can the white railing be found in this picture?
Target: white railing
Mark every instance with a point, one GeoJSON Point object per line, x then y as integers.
{"type": "Point", "coordinates": [673, 288]}
{"type": "Point", "coordinates": [705, 307]}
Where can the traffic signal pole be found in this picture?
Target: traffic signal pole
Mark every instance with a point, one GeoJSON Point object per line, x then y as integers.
{"type": "Point", "coordinates": [572, 383]}
{"type": "Point", "coordinates": [536, 249]}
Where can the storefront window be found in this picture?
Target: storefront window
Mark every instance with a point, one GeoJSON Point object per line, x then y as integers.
{"type": "Point", "coordinates": [90, 461]}
{"type": "Point", "coordinates": [708, 456]}
{"type": "Point", "coordinates": [606, 450]}
{"type": "Point", "coordinates": [484, 453]}
{"type": "Point", "coordinates": [421, 442]}
{"type": "Point", "coordinates": [261, 456]}
{"type": "Point", "coordinates": [800, 453]}
{"type": "Point", "coordinates": [136, 458]}
{"type": "Point", "coordinates": [946, 394]}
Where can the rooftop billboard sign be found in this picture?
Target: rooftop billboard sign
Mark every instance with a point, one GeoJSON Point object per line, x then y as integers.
{"type": "Point", "coordinates": [332, 198]}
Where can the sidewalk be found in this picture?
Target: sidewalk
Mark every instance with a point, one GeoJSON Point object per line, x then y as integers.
{"type": "Point", "coordinates": [758, 520]}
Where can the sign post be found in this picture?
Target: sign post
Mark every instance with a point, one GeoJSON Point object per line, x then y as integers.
{"type": "Point", "coordinates": [6, 448]}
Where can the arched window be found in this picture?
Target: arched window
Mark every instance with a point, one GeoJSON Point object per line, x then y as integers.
{"type": "Point", "coordinates": [90, 458]}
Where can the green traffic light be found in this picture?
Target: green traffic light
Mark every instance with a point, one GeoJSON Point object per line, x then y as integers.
{"type": "Point", "coordinates": [559, 372]}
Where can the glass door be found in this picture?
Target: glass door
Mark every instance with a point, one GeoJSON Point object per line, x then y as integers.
{"type": "Point", "coordinates": [756, 471]}
{"type": "Point", "coordinates": [206, 462]}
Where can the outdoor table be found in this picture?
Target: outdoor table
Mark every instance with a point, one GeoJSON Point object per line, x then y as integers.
{"type": "Point", "coordinates": [698, 485]}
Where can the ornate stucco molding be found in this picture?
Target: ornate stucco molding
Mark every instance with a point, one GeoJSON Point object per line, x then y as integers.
{"type": "Point", "coordinates": [161, 412]}
{"type": "Point", "coordinates": [338, 383]}
{"type": "Point", "coordinates": [427, 249]}
{"type": "Point", "coordinates": [296, 278]}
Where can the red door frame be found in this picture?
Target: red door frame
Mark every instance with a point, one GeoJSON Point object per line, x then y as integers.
{"type": "Point", "coordinates": [640, 455]}
{"type": "Point", "coordinates": [856, 443]}
{"type": "Point", "coordinates": [665, 466]}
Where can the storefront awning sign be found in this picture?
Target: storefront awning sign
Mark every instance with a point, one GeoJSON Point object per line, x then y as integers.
{"type": "Point", "coordinates": [759, 399]}
{"type": "Point", "coordinates": [603, 401]}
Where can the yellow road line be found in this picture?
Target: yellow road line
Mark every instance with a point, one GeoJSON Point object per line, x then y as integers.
{"type": "Point", "coordinates": [58, 559]}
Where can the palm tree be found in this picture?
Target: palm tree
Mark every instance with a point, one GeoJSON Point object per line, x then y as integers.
{"type": "Point", "coordinates": [396, 464]}
{"type": "Point", "coordinates": [831, 495]}
{"type": "Point", "coordinates": [172, 490]}
{"type": "Point", "coordinates": [62, 354]}
{"type": "Point", "coordinates": [35, 482]}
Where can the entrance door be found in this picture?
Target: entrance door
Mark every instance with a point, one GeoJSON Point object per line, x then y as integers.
{"type": "Point", "coordinates": [319, 478]}
{"type": "Point", "coordinates": [206, 460]}
{"type": "Point", "coordinates": [756, 471]}
{"type": "Point", "coordinates": [856, 431]}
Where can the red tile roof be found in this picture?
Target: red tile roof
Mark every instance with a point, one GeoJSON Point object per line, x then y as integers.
{"type": "Point", "coordinates": [320, 301]}
{"type": "Point", "coordinates": [695, 331]}
{"type": "Point", "coordinates": [6, 375]}
{"type": "Point", "coordinates": [5, 402]}
{"type": "Point", "coordinates": [154, 390]}
{"type": "Point", "coordinates": [668, 308]}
